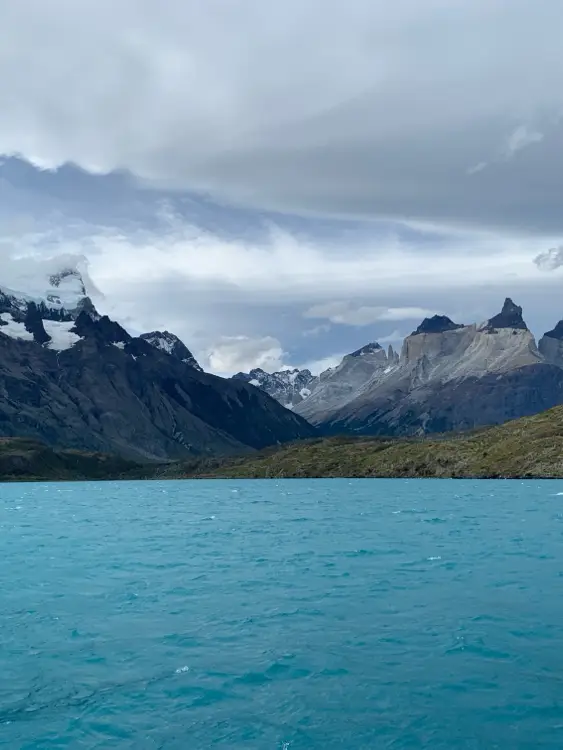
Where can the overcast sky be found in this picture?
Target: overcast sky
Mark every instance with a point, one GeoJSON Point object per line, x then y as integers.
{"type": "Point", "coordinates": [282, 182]}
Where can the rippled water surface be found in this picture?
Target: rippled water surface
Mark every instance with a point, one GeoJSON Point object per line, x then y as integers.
{"type": "Point", "coordinates": [282, 614]}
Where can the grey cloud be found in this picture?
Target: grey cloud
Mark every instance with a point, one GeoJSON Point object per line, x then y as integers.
{"type": "Point", "coordinates": [317, 330]}
{"type": "Point", "coordinates": [307, 105]}
{"type": "Point", "coordinates": [550, 260]}
{"type": "Point", "coordinates": [345, 313]}
{"type": "Point", "coordinates": [395, 337]}
{"type": "Point", "coordinates": [521, 138]}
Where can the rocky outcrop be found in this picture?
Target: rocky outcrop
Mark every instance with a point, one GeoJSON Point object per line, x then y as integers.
{"type": "Point", "coordinates": [392, 356]}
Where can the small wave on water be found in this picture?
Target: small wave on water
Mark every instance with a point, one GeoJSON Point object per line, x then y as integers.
{"type": "Point", "coordinates": [38, 701]}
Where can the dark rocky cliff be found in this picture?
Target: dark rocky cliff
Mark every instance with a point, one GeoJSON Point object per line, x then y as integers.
{"type": "Point", "coordinates": [115, 393]}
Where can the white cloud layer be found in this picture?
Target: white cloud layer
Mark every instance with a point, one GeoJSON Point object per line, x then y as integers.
{"type": "Point", "coordinates": [241, 304]}
{"type": "Point", "coordinates": [232, 354]}
{"type": "Point", "coordinates": [447, 112]}
{"type": "Point", "coordinates": [364, 108]}
{"type": "Point", "coordinates": [346, 314]}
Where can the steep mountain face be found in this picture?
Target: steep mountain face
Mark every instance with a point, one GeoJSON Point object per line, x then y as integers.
{"type": "Point", "coordinates": [452, 377]}
{"type": "Point", "coordinates": [336, 386]}
{"type": "Point", "coordinates": [73, 378]}
{"type": "Point", "coordinates": [170, 344]}
{"type": "Point", "coordinates": [289, 387]}
{"type": "Point", "coordinates": [327, 390]}
{"type": "Point", "coordinates": [551, 345]}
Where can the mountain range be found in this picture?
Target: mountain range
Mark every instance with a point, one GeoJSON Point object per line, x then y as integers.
{"type": "Point", "coordinates": [448, 376]}
{"type": "Point", "coordinates": [73, 378]}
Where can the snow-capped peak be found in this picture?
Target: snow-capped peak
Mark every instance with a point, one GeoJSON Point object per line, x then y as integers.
{"type": "Point", "coordinates": [288, 386]}
{"type": "Point", "coordinates": [58, 284]}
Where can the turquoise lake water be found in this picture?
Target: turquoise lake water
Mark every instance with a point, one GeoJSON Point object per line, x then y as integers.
{"type": "Point", "coordinates": [282, 614]}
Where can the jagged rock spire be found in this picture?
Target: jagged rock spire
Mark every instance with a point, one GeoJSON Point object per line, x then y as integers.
{"type": "Point", "coordinates": [509, 317]}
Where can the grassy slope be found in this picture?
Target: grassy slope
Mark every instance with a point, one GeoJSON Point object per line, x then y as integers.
{"type": "Point", "coordinates": [27, 460]}
{"type": "Point", "coordinates": [529, 447]}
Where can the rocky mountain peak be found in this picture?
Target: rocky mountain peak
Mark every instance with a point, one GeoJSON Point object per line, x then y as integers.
{"type": "Point", "coordinates": [367, 349]}
{"type": "Point", "coordinates": [557, 332]}
{"type": "Point", "coordinates": [289, 387]}
{"type": "Point", "coordinates": [392, 355]}
{"type": "Point", "coordinates": [100, 328]}
{"type": "Point", "coordinates": [57, 297]}
{"type": "Point", "coordinates": [170, 344]}
{"type": "Point", "coordinates": [509, 317]}
{"type": "Point", "coordinates": [436, 324]}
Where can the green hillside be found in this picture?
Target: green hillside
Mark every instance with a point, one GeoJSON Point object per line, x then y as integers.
{"type": "Point", "coordinates": [528, 447]}
{"type": "Point", "coordinates": [28, 460]}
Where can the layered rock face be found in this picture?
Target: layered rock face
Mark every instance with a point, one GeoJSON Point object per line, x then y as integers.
{"type": "Point", "coordinates": [336, 386]}
{"type": "Point", "coordinates": [292, 387]}
{"type": "Point", "coordinates": [450, 377]}
{"type": "Point", "coordinates": [551, 345]}
{"type": "Point", "coordinates": [73, 378]}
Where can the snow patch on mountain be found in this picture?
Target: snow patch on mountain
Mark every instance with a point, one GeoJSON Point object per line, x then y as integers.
{"type": "Point", "coordinates": [61, 334]}
{"type": "Point", "coordinates": [13, 328]}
